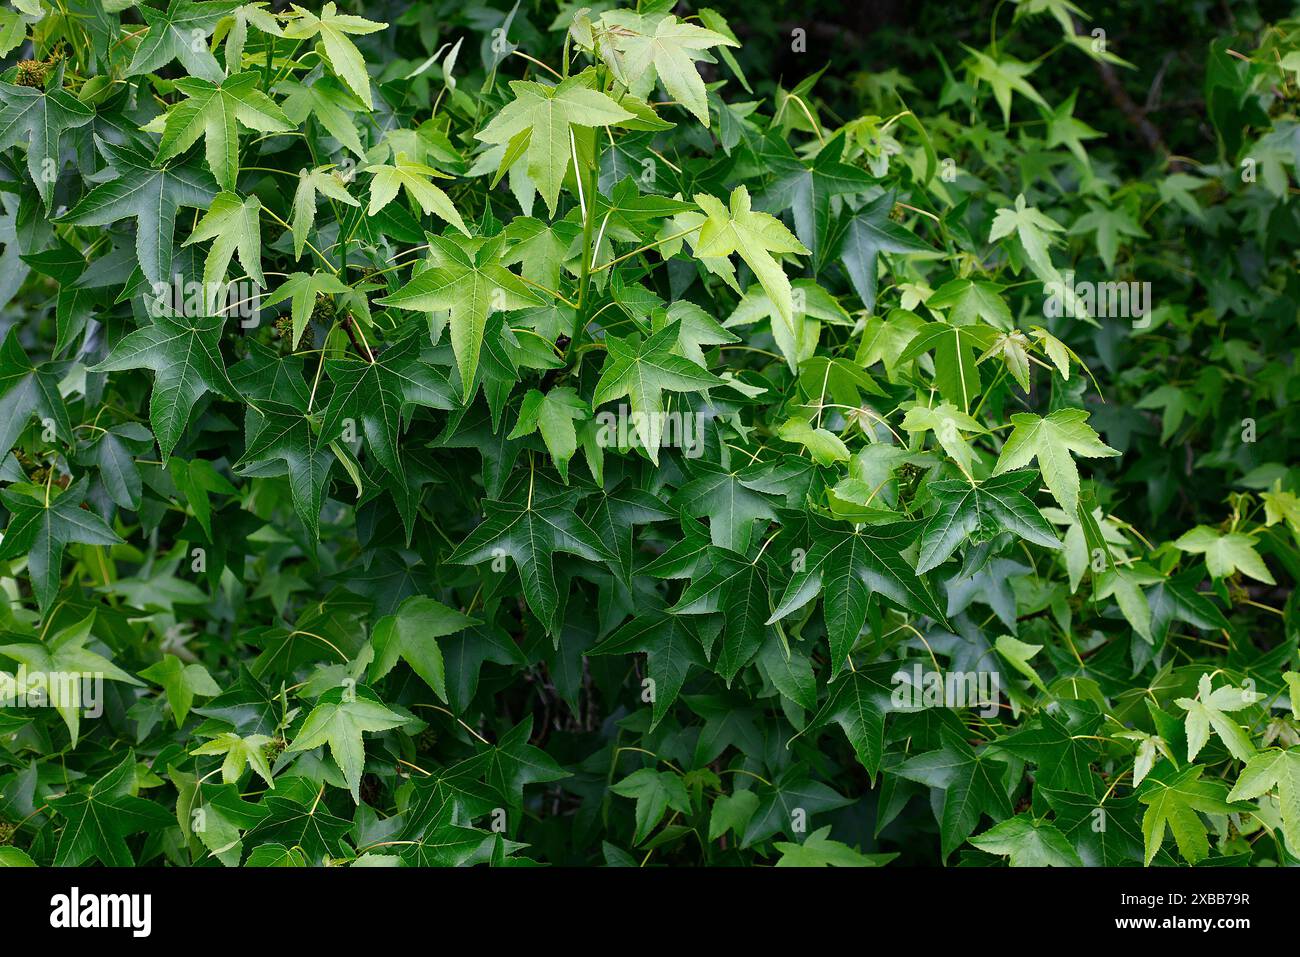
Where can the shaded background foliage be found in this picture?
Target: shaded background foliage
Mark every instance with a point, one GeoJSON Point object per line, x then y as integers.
{"type": "Point", "coordinates": [546, 725]}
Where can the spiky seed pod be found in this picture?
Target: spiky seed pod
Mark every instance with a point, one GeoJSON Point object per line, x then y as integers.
{"type": "Point", "coordinates": [32, 72]}
{"type": "Point", "coordinates": [273, 749]}
{"type": "Point", "coordinates": [324, 312]}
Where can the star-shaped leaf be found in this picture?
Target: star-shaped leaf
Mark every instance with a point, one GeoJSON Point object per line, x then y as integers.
{"type": "Point", "coordinates": [866, 235]}
{"type": "Point", "coordinates": [1173, 798]}
{"type": "Point", "coordinates": [240, 752]}
{"type": "Point", "coordinates": [233, 225]}
{"type": "Point", "coordinates": [415, 178]}
{"type": "Point", "coordinates": [302, 289]}
{"type": "Point", "coordinates": [1225, 553]}
{"type": "Point", "coordinates": [374, 394]}
{"type": "Point", "coordinates": [65, 653]}
{"type": "Point", "coordinates": [411, 634]}
{"type": "Point", "coordinates": [1209, 710]}
{"type": "Point", "coordinates": [545, 115]}
{"type": "Point", "coordinates": [847, 565]}
{"type": "Point", "coordinates": [755, 237]}
{"type": "Point", "coordinates": [333, 28]}
{"type": "Point", "coordinates": [669, 48]}
{"type": "Point", "coordinates": [1004, 76]}
{"type": "Point", "coordinates": [858, 702]}
{"type": "Point", "coordinates": [184, 356]}
{"type": "Point", "coordinates": [467, 278]}
{"type": "Point", "coordinates": [178, 34]}
{"type": "Point", "coordinates": [1064, 130]}
{"type": "Point", "coordinates": [1063, 758]}
{"type": "Point", "coordinates": [807, 192]}
{"type": "Point", "coordinates": [530, 533]}
{"type": "Point", "coordinates": [1033, 228]}
{"type": "Point", "coordinates": [339, 718]}
{"type": "Point", "coordinates": [642, 370]}
{"type": "Point", "coordinates": [1269, 770]}
{"type": "Point", "coordinates": [99, 819]}
{"type": "Point", "coordinates": [215, 111]}
{"type": "Point", "coordinates": [737, 589]}
{"type": "Point", "coordinates": [1051, 440]}
{"type": "Point", "coordinates": [43, 116]}
{"type": "Point", "coordinates": [553, 413]}
{"type": "Point", "coordinates": [43, 522]}
{"type": "Point", "coordinates": [1028, 842]}
{"type": "Point", "coordinates": [655, 792]}
{"type": "Point", "coordinates": [28, 389]}
{"type": "Point", "coordinates": [150, 197]}
{"type": "Point", "coordinates": [977, 512]}
{"type": "Point", "coordinates": [671, 648]}
{"type": "Point", "coordinates": [972, 784]}
{"type": "Point", "coordinates": [732, 500]}
{"type": "Point", "coordinates": [324, 182]}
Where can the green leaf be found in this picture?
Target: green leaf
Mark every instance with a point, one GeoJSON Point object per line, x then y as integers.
{"type": "Point", "coordinates": [28, 389]}
{"type": "Point", "coordinates": [553, 413]}
{"type": "Point", "coordinates": [868, 234]}
{"type": "Point", "coordinates": [972, 784]}
{"type": "Point", "coordinates": [65, 654]}
{"type": "Point", "coordinates": [303, 290]}
{"type": "Point", "coordinates": [755, 237]}
{"type": "Point", "coordinates": [956, 355]}
{"type": "Point", "coordinates": [177, 34]}
{"type": "Point", "coordinates": [233, 225]}
{"type": "Point", "coordinates": [100, 818]}
{"type": "Point", "coordinates": [1034, 230]}
{"type": "Point", "coordinates": [807, 192]}
{"type": "Point", "coordinates": [1208, 710]}
{"type": "Point", "coordinates": [415, 179]}
{"type": "Point", "coordinates": [847, 566]}
{"type": "Point", "coordinates": [150, 197]}
{"type": "Point", "coordinates": [182, 683]}
{"type": "Point", "coordinates": [669, 48]}
{"type": "Point", "coordinates": [947, 422]}
{"type": "Point", "coordinates": [240, 752]}
{"type": "Point", "coordinates": [411, 634]}
{"type": "Point", "coordinates": [818, 850]}
{"type": "Point", "coordinates": [1028, 843]}
{"type": "Point", "coordinates": [736, 588]}
{"type": "Point", "coordinates": [323, 182]}
{"type": "Point", "coordinates": [1174, 800]}
{"type": "Point", "coordinates": [1269, 770]}
{"type": "Point", "coordinates": [546, 115]}
{"type": "Point", "coordinates": [858, 702]}
{"type": "Point", "coordinates": [530, 533]}
{"type": "Point", "coordinates": [1063, 757]}
{"type": "Point", "coordinates": [1225, 554]}
{"type": "Point", "coordinates": [41, 524]}
{"type": "Point", "coordinates": [1004, 75]}
{"type": "Point", "coordinates": [978, 512]}
{"type": "Point", "coordinates": [374, 394]}
{"type": "Point", "coordinates": [339, 719]}
{"type": "Point", "coordinates": [184, 356]}
{"type": "Point", "coordinates": [655, 792]}
{"type": "Point", "coordinates": [341, 53]}
{"type": "Point", "coordinates": [215, 111]}
{"type": "Point", "coordinates": [671, 648]}
{"type": "Point", "coordinates": [43, 116]}
{"type": "Point", "coordinates": [642, 370]}
{"type": "Point", "coordinates": [1051, 440]}
{"type": "Point", "coordinates": [468, 279]}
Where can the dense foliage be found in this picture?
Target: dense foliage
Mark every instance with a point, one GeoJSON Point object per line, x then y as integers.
{"type": "Point", "coordinates": [448, 433]}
